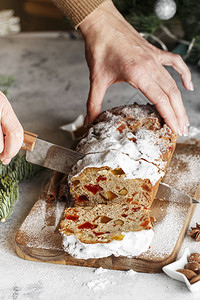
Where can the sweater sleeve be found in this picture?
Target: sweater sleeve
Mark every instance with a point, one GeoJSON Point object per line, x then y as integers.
{"type": "Point", "coordinates": [77, 10]}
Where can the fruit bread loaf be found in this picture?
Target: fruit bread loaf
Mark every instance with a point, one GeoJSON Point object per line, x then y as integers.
{"type": "Point", "coordinates": [126, 154]}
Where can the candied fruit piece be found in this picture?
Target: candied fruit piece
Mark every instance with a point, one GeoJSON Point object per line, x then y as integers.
{"type": "Point", "coordinates": [123, 192]}
{"type": "Point", "coordinates": [72, 217]}
{"type": "Point", "coordinates": [105, 219]}
{"type": "Point", "coordinates": [121, 127]}
{"type": "Point", "coordinates": [101, 178]}
{"type": "Point", "coordinates": [118, 171]}
{"type": "Point", "coordinates": [98, 233]}
{"type": "Point", "coordinates": [145, 224]}
{"type": "Point", "coordinates": [86, 225]}
{"type": "Point", "coordinates": [75, 182]}
{"type": "Point", "coordinates": [129, 200]}
{"type": "Point", "coordinates": [124, 215]}
{"type": "Point", "coordinates": [135, 209]}
{"type": "Point", "coordinates": [118, 237]}
{"type": "Point", "coordinates": [110, 195]}
{"type": "Point", "coordinates": [82, 198]}
{"type": "Point", "coordinates": [118, 222]}
{"type": "Point", "coordinates": [93, 188]}
{"type": "Point", "coordinates": [133, 139]}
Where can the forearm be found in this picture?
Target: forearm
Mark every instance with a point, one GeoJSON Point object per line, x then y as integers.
{"type": "Point", "coordinates": [77, 10]}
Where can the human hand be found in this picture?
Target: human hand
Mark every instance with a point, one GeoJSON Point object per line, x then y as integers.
{"type": "Point", "coordinates": [11, 131]}
{"type": "Point", "coordinates": [115, 52]}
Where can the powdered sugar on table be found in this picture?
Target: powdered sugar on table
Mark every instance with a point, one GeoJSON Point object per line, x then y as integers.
{"type": "Point", "coordinates": [39, 229]}
{"type": "Point", "coordinates": [167, 231]}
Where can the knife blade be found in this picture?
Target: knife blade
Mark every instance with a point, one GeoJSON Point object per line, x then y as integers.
{"type": "Point", "coordinates": [49, 155]}
{"type": "Point", "coordinates": [168, 193]}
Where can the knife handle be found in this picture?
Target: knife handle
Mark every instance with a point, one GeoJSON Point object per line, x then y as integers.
{"type": "Point", "coordinates": [29, 141]}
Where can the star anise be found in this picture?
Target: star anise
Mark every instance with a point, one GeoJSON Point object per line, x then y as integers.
{"type": "Point", "coordinates": [195, 232]}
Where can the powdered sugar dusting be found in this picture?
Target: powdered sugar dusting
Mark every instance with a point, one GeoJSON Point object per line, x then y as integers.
{"type": "Point", "coordinates": [98, 284]}
{"type": "Point", "coordinates": [187, 165]}
{"type": "Point", "coordinates": [130, 273]}
{"type": "Point", "coordinates": [122, 139]}
{"type": "Point", "coordinates": [100, 270]}
{"type": "Point", "coordinates": [168, 230]}
{"type": "Point", "coordinates": [194, 132]}
{"type": "Point", "coordinates": [193, 137]}
{"type": "Point", "coordinates": [35, 229]}
{"type": "Point", "coordinates": [104, 278]}
{"type": "Point", "coordinates": [190, 174]}
{"type": "Point", "coordinates": [113, 159]}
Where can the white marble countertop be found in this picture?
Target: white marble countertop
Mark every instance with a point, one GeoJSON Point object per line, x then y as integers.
{"type": "Point", "coordinates": [51, 90]}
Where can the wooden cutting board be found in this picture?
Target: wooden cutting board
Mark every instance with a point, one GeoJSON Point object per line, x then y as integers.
{"type": "Point", "coordinates": [38, 238]}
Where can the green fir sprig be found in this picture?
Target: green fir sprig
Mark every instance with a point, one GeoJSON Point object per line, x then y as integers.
{"type": "Point", "coordinates": [10, 175]}
{"type": "Point", "coordinates": [5, 82]}
{"type": "Point", "coordinates": [9, 193]}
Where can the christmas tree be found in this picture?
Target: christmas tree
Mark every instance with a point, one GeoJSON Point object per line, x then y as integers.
{"type": "Point", "coordinates": [156, 19]}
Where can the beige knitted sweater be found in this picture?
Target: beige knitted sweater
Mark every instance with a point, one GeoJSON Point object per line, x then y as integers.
{"type": "Point", "coordinates": [77, 10]}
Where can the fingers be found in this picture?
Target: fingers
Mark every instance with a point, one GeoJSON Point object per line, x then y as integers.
{"type": "Point", "coordinates": [96, 94]}
{"type": "Point", "coordinates": [1, 141]}
{"type": "Point", "coordinates": [11, 129]}
{"type": "Point", "coordinates": [169, 87]}
{"type": "Point", "coordinates": [158, 97]}
{"type": "Point", "coordinates": [175, 61]}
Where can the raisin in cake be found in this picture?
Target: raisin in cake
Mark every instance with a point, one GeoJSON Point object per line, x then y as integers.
{"type": "Point", "coordinates": [126, 153]}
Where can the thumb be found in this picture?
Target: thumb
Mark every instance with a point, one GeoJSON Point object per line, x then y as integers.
{"type": "Point", "coordinates": [11, 130]}
{"type": "Point", "coordinates": [95, 98]}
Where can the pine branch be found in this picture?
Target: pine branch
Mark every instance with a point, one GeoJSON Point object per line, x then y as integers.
{"type": "Point", "coordinates": [139, 13]}
{"type": "Point", "coordinates": [23, 170]}
{"type": "Point", "coordinates": [18, 170]}
{"type": "Point", "coordinates": [144, 23]}
{"type": "Point", "coordinates": [139, 7]}
{"type": "Point", "coordinates": [6, 169]}
{"type": "Point", "coordinates": [9, 193]}
{"type": "Point", "coordinates": [5, 82]}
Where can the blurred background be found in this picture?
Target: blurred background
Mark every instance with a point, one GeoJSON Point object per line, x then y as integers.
{"type": "Point", "coordinates": [172, 25]}
{"type": "Point", "coordinates": [36, 15]}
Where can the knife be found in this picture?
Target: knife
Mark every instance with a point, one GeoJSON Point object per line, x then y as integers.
{"type": "Point", "coordinates": [62, 159]}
